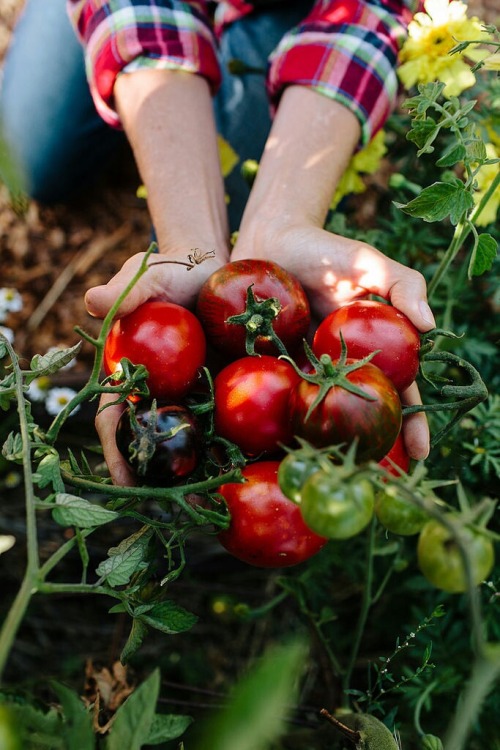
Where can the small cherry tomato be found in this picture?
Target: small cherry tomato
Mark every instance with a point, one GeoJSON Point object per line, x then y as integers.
{"type": "Point", "coordinates": [293, 472]}
{"type": "Point", "coordinates": [266, 529]}
{"type": "Point", "coordinates": [164, 337]}
{"type": "Point", "coordinates": [441, 562]}
{"type": "Point", "coordinates": [225, 294]}
{"type": "Point", "coordinates": [368, 325]}
{"type": "Point", "coordinates": [397, 513]}
{"type": "Point", "coordinates": [338, 508]}
{"type": "Point", "coordinates": [162, 444]}
{"type": "Point", "coordinates": [251, 403]}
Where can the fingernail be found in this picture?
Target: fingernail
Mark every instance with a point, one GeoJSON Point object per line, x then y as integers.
{"type": "Point", "coordinates": [426, 313]}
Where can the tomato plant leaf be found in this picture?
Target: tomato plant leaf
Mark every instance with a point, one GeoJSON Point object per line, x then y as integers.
{"type": "Point", "coordinates": [169, 617]}
{"type": "Point", "coordinates": [71, 510]}
{"type": "Point", "coordinates": [12, 449]}
{"type": "Point", "coordinates": [77, 729]}
{"type": "Point", "coordinates": [167, 727]}
{"type": "Point", "coordinates": [483, 255]}
{"type": "Point", "coordinates": [452, 155]}
{"type": "Point", "coordinates": [438, 201]}
{"type": "Point", "coordinates": [47, 364]}
{"type": "Point", "coordinates": [137, 634]}
{"type": "Point", "coordinates": [134, 718]}
{"type": "Point", "coordinates": [118, 569]}
{"type": "Point", "coordinates": [48, 472]}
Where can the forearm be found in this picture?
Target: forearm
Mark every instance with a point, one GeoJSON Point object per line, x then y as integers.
{"type": "Point", "coordinates": [308, 149]}
{"type": "Point", "coordinates": [168, 118]}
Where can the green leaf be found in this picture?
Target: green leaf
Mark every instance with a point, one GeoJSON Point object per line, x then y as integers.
{"type": "Point", "coordinates": [137, 634]}
{"type": "Point", "coordinates": [51, 362]}
{"type": "Point", "coordinates": [483, 255]}
{"type": "Point", "coordinates": [438, 201]}
{"type": "Point", "coordinates": [452, 155]}
{"type": "Point", "coordinates": [13, 447]}
{"type": "Point", "coordinates": [77, 729]}
{"type": "Point", "coordinates": [169, 618]}
{"type": "Point", "coordinates": [48, 472]}
{"type": "Point", "coordinates": [71, 510]}
{"type": "Point", "coordinates": [167, 727]}
{"type": "Point", "coordinates": [118, 569]}
{"type": "Point", "coordinates": [134, 719]}
{"type": "Point", "coordinates": [258, 706]}
{"type": "Point", "coordinates": [421, 131]}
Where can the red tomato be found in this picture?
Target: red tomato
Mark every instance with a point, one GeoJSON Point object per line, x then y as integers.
{"type": "Point", "coordinates": [367, 326]}
{"type": "Point", "coordinates": [164, 337]}
{"type": "Point", "coordinates": [396, 457]}
{"type": "Point", "coordinates": [251, 403]}
{"type": "Point", "coordinates": [342, 416]}
{"type": "Point", "coordinates": [224, 295]}
{"type": "Point", "coordinates": [266, 528]}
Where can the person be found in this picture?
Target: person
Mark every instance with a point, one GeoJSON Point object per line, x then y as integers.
{"type": "Point", "coordinates": [316, 80]}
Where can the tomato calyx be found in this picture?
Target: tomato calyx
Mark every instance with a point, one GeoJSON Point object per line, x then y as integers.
{"type": "Point", "coordinates": [328, 374]}
{"type": "Point", "coordinates": [257, 318]}
{"type": "Point", "coordinates": [130, 380]}
{"type": "Point", "coordinates": [147, 437]}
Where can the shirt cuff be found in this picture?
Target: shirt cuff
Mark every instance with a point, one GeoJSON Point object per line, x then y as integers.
{"type": "Point", "coordinates": [126, 35]}
{"type": "Point", "coordinates": [348, 52]}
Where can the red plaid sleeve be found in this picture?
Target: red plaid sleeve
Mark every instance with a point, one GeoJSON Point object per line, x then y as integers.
{"type": "Point", "coordinates": [346, 50]}
{"type": "Point", "coordinates": [123, 35]}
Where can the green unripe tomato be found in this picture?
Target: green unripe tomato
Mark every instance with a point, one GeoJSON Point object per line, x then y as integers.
{"type": "Point", "coordinates": [337, 510]}
{"type": "Point", "coordinates": [397, 513]}
{"type": "Point", "coordinates": [441, 562]}
{"type": "Point", "coordinates": [293, 472]}
{"type": "Point", "coordinates": [431, 742]}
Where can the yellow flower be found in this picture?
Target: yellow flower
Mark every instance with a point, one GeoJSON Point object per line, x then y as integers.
{"type": "Point", "coordinates": [485, 177]}
{"type": "Point", "coordinates": [365, 161]}
{"type": "Point", "coordinates": [425, 56]}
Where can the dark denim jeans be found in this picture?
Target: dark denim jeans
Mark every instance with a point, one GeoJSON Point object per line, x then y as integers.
{"type": "Point", "coordinates": [50, 122]}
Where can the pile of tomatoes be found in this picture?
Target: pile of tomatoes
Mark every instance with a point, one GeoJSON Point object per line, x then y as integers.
{"type": "Point", "coordinates": [271, 393]}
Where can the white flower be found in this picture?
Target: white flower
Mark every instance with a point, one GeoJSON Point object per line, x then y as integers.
{"type": "Point", "coordinates": [58, 398]}
{"type": "Point", "coordinates": [38, 389]}
{"type": "Point", "coordinates": [10, 300]}
{"type": "Point", "coordinates": [8, 333]}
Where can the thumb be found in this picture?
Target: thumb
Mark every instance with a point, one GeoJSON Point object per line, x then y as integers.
{"type": "Point", "coordinates": [409, 296]}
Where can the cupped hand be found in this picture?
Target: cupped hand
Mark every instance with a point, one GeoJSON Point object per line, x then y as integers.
{"type": "Point", "coordinates": [173, 278]}
{"type": "Point", "coordinates": [335, 270]}
{"type": "Point", "coordinates": [172, 282]}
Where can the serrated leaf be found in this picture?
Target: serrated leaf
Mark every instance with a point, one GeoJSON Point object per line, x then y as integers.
{"type": "Point", "coordinates": [483, 255]}
{"type": "Point", "coordinates": [167, 727]}
{"type": "Point", "coordinates": [452, 155]}
{"type": "Point", "coordinates": [47, 364]}
{"type": "Point", "coordinates": [438, 201]}
{"type": "Point", "coordinates": [71, 510]}
{"type": "Point", "coordinates": [135, 639]}
{"type": "Point", "coordinates": [134, 718]}
{"type": "Point", "coordinates": [120, 566]}
{"type": "Point", "coordinates": [421, 131]}
{"type": "Point", "coordinates": [168, 617]}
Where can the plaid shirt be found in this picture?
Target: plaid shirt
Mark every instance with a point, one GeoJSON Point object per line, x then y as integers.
{"type": "Point", "coordinates": [345, 49]}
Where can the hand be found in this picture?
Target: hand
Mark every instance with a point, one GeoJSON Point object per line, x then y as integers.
{"type": "Point", "coordinates": [166, 281]}
{"type": "Point", "coordinates": [335, 270]}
